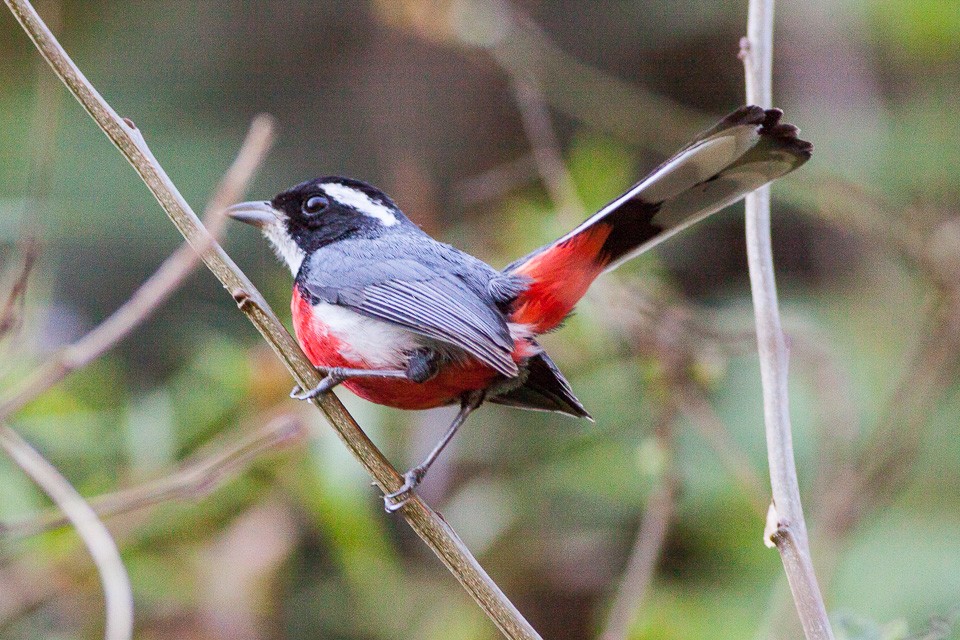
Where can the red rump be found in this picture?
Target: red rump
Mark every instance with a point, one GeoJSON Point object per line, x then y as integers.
{"type": "Point", "coordinates": [561, 276]}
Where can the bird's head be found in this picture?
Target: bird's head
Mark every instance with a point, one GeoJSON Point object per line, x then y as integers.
{"type": "Point", "coordinates": [319, 212]}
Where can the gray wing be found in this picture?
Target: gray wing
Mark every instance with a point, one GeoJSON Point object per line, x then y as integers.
{"type": "Point", "coordinates": [435, 291]}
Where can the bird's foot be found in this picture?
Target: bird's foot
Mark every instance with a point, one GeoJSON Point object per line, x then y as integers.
{"type": "Point", "coordinates": [332, 379]}
{"type": "Point", "coordinates": [395, 500]}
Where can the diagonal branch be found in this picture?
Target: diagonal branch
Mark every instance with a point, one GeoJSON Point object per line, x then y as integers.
{"type": "Point", "coordinates": [11, 314]}
{"type": "Point", "coordinates": [785, 520]}
{"type": "Point", "coordinates": [194, 479]}
{"type": "Point", "coordinates": [431, 528]}
{"type": "Point", "coordinates": [697, 409]}
{"type": "Point", "coordinates": [157, 289]}
{"type": "Point", "coordinates": [113, 575]}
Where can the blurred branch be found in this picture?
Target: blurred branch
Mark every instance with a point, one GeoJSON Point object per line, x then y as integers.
{"type": "Point", "coordinates": [697, 409]}
{"type": "Point", "coordinates": [838, 423]}
{"type": "Point", "coordinates": [870, 479]}
{"type": "Point", "coordinates": [786, 510]}
{"type": "Point", "coordinates": [431, 528]}
{"type": "Point", "coordinates": [193, 480]}
{"type": "Point", "coordinates": [113, 575]}
{"type": "Point", "coordinates": [496, 182]}
{"type": "Point", "coordinates": [547, 151]}
{"type": "Point", "coordinates": [590, 94]}
{"type": "Point", "coordinates": [650, 537]}
{"type": "Point", "coordinates": [48, 105]}
{"type": "Point", "coordinates": [11, 315]}
{"type": "Point", "coordinates": [157, 289]}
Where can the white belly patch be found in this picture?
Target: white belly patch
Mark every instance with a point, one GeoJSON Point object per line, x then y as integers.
{"type": "Point", "coordinates": [380, 344]}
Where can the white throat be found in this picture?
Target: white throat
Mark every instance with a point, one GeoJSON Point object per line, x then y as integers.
{"type": "Point", "coordinates": [284, 246]}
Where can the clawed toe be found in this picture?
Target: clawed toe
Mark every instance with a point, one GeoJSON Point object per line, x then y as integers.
{"type": "Point", "coordinates": [395, 500]}
{"type": "Point", "coordinates": [328, 383]}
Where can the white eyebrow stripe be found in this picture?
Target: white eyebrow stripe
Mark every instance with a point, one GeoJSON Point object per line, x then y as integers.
{"type": "Point", "coordinates": [361, 202]}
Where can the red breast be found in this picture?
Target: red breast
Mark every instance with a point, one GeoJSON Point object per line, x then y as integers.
{"type": "Point", "coordinates": [325, 349]}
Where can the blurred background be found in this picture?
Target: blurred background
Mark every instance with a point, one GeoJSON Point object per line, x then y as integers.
{"type": "Point", "coordinates": [496, 127]}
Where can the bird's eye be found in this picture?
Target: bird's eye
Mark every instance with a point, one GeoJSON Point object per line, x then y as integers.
{"type": "Point", "coordinates": [315, 204]}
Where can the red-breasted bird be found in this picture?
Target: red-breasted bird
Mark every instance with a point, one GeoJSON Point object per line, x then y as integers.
{"type": "Point", "coordinates": [408, 322]}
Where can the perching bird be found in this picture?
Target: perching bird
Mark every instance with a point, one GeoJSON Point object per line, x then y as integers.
{"type": "Point", "coordinates": [408, 322]}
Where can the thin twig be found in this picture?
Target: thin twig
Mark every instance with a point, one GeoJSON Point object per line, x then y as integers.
{"type": "Point", "coordinates": [193, 480]}
{"type": "Point", "coordinates": [588, 93]}
{"type": "Point", "coordinates": [791, 529]}
{"type": "Point", "coordinates": [496, 182]}
{"type": "Point", "coordinates": [431, 528]}
{"type": "Point", "coordinates": [651, 537]}
{"type": "Point", "coordinates": [546, 148]}
{"type": "Point", "coordinates": [870, 480]}
{"type": "Point", "coordinates": [11, 315]}
{"type": "Point", "coordinates": [156, 289]}
{"type": "Point", "coordinates": [698, 411]}
{"type": "Point", "coordinates": [103, 550]}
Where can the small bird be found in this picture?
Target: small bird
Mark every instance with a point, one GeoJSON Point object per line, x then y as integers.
{"type": "Point", "coordinates": [406, 321]}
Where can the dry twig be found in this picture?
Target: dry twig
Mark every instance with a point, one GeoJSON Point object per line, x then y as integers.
{"type": "Point", "coordinates": [103, 550]}
{"type": "Point", "coordinates": [546, 149]}
{"type": "Point", "coordinates": [431, 528]}
{"type": "Point", "coordinates": [11, 315]}
{"type": "Point", "coordinates": [193, 480]}
{"type": "Point", "coordinates": [786, 514]}
{"type": "Point", "coordinates": [157, 289]}
{"type": "Point", "coordinates": [651, 537]}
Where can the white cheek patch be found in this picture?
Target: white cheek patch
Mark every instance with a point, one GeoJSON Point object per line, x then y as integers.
{"type": "Point", "coordinates": [361, 202]}
{"type": "Point", "coordinates": [284, 246]}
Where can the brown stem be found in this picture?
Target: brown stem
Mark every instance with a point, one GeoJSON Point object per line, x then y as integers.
{"type": "Point", "coordinates": [650, 540]}
{"type": "Point", "coordinates": [546, 148]}
{"type": "Point", "coordinates": [697, 409]}
{"type": "Point", "coordinates": [194, 479]}
{"type": "Point", "coordinates": [11, 315]}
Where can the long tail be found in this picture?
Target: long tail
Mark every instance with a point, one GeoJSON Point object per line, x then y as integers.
{"type": "Point", "coordinates": [744, 151]}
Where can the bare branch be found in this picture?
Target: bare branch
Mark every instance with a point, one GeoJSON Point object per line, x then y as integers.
{"type": "Point", "coordinates": [157, 289]}
{"type": "Point", "coordinates": [11, 315]}
{"type": "Point", "coordinates": [650, 538]}
{"type": "Point", "coordinates": [496, 182]}
{"type": "Point", "coordinates": [431, 528]}
{"type": "Point", "coordinates": [113, 575]}
{"type": "Point", "coordinates": [590, 94]}
{"type": "Point", "coordinates": [861, 485]}
{"type": "Point", "coordinates": [546, 148]}
{"type": "Point", "coordinates": [695, 408]}
{"type": "Point", "coordinates": [791, 538]}
{"type": "Point", "coordinates": [193, 480]}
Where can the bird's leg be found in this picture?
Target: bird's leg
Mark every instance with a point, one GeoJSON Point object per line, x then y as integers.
{"type": "Point", "coordinates": [396, 499]}
{"type": "Point", "coordinates": [421, 367]}
{"type": "Point", "coordinates": [336, 375]}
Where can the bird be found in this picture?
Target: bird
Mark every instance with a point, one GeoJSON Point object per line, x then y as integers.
{"type": "Point", "coordinates": [406, 321]}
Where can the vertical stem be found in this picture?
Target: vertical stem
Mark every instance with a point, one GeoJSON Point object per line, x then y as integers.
{"type": "Point", "coordinates": [789, 531]}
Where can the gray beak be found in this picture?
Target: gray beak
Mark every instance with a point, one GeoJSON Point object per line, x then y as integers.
{"type": "Point", "coordinates": [257, 213]}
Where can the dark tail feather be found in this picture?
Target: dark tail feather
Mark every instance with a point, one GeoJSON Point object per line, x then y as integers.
{"type": "Point", "coordinates": [744, 151]}
{"type": "Point", "coordinates": [545, 389]}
